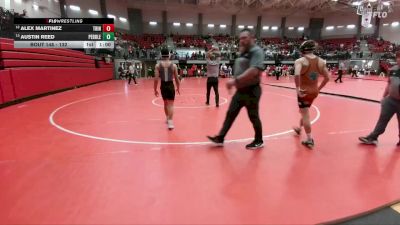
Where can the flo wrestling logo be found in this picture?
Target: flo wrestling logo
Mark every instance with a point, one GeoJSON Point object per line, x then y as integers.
{"type": "Point", "coordinates": [377, 9]}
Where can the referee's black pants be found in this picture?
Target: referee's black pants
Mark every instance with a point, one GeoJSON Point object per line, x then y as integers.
{"type": "Point", "coordinates": [248, 97]}
{"type": "Point", "coordinates": [339, 78]}
{"type": "Point", "coordinates": [277, 74]}
{"type": "Point", "coordinates": [132, 76]}
{"type": "Point", "coordinates": [354, 73]}
{"type": "Point", "coordinates": [212, 82]}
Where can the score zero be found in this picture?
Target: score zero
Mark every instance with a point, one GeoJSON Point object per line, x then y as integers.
{"type": "Point", "coordinates": [108, 36]}
{"type": "Point", "coordinates": [108, 27]}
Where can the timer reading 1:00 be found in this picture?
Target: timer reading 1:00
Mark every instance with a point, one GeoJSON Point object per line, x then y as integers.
{"type": "Point", "coordinates": [105, 44]}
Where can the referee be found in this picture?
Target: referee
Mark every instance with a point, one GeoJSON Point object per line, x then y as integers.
{"type": "Point", "coordinates": [340, 72]}
{"type": "Point", "coordinates": [213, 60]}
{"type": "Point", "coordinates": [247, 71]}
{"type": "Point", "coordinates": [132, 73]}
{"type": "Point", "coordinates": [390, 105]}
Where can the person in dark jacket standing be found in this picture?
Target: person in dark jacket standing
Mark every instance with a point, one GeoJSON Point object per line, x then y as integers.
{"type": "Point", "coordinates": [390, 105]}
{"type": "Point", "coordinates": [247, 70]}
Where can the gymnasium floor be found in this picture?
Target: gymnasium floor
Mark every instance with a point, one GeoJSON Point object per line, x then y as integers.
{"type": "Point", "coordinates": [102, 155]}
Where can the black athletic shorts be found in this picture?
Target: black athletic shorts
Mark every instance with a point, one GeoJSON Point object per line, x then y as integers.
{"type": "Point", "coordinates": [303, 103]}
{"type": "Point", "coordinates": [168, 90]}
{"type": "Point", "coordinates": [306, 101]}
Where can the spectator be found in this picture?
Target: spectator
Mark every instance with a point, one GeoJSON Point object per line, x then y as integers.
{"type": "Point", "coordinates": [185, 72]}
{"type": "Point", "coordinates": [121, 71]}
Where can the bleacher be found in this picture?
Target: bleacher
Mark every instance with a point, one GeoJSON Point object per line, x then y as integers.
{"type": "Point", "coordinates": [146, 41]}
{"type": "Point", "coordinates": [346, 44]}
{"type": "Point", "coordinates": [272, 41]}
{"type": "Point", "coordinates": [332, 49]}
{"type": "Point", "coordinates": [187, 41]}
{"type": "Point", "coordinates": [224, 38]}
{"type": "Point", "coordinates": [379, 46]}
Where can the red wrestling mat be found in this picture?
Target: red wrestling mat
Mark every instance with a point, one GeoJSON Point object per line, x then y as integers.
{"type": "Point", "coordinates": [102, 155]}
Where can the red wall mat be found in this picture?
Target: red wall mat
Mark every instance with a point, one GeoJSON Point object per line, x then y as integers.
{"type": "Point", "coordinates": [6, 86]}
{"type": "Point", "coordinates": [40, 56]}
{"type": "Point", "coordinates": [102, 64]}
{"type": "Point", "coordinates": [50, 51]}
{"type": "Point", "coordinates": [7, 40]}
{"type": "Point", "coordinates": [1, 94]}
{"type": "Point", "coordinates": [9, 63]}
{"type": "Point", "coordinates": [34, 81]}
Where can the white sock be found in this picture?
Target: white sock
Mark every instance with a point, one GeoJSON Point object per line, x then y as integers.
{"type": "Point", "coordinates": [309, 136]}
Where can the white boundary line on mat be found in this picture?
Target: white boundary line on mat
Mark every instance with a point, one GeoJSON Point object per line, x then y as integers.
{"type": "Point", "coordinates": [52, 122]}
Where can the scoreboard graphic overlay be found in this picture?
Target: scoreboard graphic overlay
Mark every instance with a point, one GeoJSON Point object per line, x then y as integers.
{"type": "Point", "coordinates": [75, 33]}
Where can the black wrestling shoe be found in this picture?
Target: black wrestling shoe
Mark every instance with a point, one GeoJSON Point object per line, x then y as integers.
{"type": "Point", "coordinates": [398, 143]}
{"type": "Point", "coordinates": [207, 103]}
{"type": "Point", "coordinates": [368, 140]}
{"type": "Point", "coordinates": [218, 140]}
{"type": "Point", "coordinates": [255, 145]}
{"type": "Point", "coordinates": [297, 130]}
{"type": "Point", "coordinates": [308, 143]}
